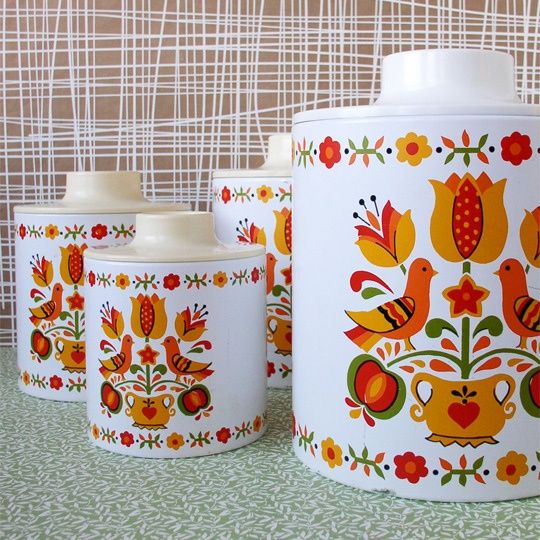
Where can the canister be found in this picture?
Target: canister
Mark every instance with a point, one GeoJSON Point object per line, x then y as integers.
{"type": "Point", "coordinates": [98, 209]}
{"type": "Point", "coordinates": [416, 310]}
{"type": "Point", "coordinates": [175, 341]}
{"type": "Point", "coordinates": [253, 206]}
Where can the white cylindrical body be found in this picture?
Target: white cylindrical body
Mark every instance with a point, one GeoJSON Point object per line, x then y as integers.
{"type": "Point", "coordinates": [98, 210]}
{"type": "Point", "coordinates": [254, 206]}
{"type": "Point", "coordinates": [175, 348]}
{"type": "Point", "coordinates": [416, 308]}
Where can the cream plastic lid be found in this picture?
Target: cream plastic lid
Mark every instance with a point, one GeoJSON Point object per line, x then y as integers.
{"type": "Point", "coordinates": [278, 163]}
{"type": "Point", "coordinates": [107, 192]}
{"type": "Point", "coordinates": [174, 237]}
{"type": "Point", "coordinates": [439, 82]}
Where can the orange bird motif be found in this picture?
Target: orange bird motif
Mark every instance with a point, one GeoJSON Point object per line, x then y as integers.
{"type": "Point", "coordinates": [119, 363]}
{"type": "Point", "coordinates": [181, 365]}
{"type": "Point", "coordinates": [520, 310]}
{"type": "Point", "coordinates": [396, 319]}
{"type": "Point", "coordinates": [50, 309]}
{"type": "Point", "coordinates": [270, 272]}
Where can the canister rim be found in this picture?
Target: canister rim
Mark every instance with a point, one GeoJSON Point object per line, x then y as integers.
{"type": "Point", "coordinates": [285, 174]}
{"type": "Point", "coordinates": [378, 111]}
{"type": "Point", "coordinates": [59, 207]}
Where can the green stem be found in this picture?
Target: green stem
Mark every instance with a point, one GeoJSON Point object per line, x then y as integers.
{"type": "Point", "coordinates": [403, 269]}
{"type": "Point", "coordinates": [366, 151]}
{"type": "Point", "coordinates": [465, 345]}
{"type": "Point", "coordinates": [54, 328]}
{"type": "Point", "coordinates": [448, 356]}
{"type": "Point", "coordinates": [466, 267]}
{"type": "Point", "coordinates": [469, 150]}
{"type": "Point", "coordinates": [148, 380]}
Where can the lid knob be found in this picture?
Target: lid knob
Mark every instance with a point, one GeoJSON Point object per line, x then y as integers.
{"type": "Point", "coordinates": [279, 152]}
{"type": "Point", "coordinates": [175, 230]}
{"type": "Point", "coordinates": [446, 77]}
{"type": "Point", "coordinates": [103, 188]}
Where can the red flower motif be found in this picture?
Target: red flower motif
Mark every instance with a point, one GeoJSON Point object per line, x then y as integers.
{"type": "Point", "coordinates": [171, 281]}
{"type": "Point", "coordinates": [255, 275]}
{"type": "Point", "coordinates": [126, 438]}
{"type": "Point", "coordinates": [148, 355]}
{"type": "Point", "coordinates": [225, 194]}
{"type": "Point", "coordinates": [467, 297]}
{"type": "Point", "coordinates": [410, 467]}
{"type": "Point", "coordinates": [516, 148]}
{"type": "Point", "coordinates": [76, 301]}
{"type": "Point", "coordinates": [55, 382]}
{"type": "Point", "coordinates": [22, 231]}
{"type": "Point", "coordinates": [329, 152]}
{"type": "Point", "coordinates": [91, 278]}
{"type": "Point", "coordinates": [99, 231]}
{"type": "Point", "coordinates": [223, 435]}
{"type": "Point", "coordinates": [287, 274]}
{"type": "Point", "coordinates": [270, 368]}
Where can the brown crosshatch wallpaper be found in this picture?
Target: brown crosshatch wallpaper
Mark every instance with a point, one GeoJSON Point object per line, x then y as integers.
{"type": "Point", "coordinates": [176, 89]}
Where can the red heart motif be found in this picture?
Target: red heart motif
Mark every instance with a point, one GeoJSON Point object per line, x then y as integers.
{"type": "Point", "coordinates": [464, 414]}
{"type": "Point", "coordinates": [149, 412]}
{"type": "Point", "coordinates": [78, 357]}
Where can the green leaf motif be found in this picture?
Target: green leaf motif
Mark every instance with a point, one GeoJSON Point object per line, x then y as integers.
{"type": "Point", "coordinates": [449, 158]}
{"type": "Point", "coordinates": [462, 479]}
{"type": "Point", "coordinates": [380, 157]}
{"type": "Point", "coordinates": [370, 292]}
{"type": "Point", "coordinates": [446, 478]}
{"type": "Point", "coordinates": [365, 143]}
{"type": "Point", "coordinates": [467, 159]}
{"type": "Point", "coordinates": [478, 463]}
{"type": "Point", "coordinates": [160, 368]}
{"type": "Point", "coordinates": [365, 452]}
{"type": "Point", "coordinates": [378, 471]}
{"type": "Point", "coordinates": [435, 328]}
{"type": "Point", "coordinates": [482, 140]}
{"type": "Point", "coordinates": [353, 454]}
{"type": "Point", "coordinates": [492, 324]}
{"type": "Point", "coordinates": [352, 145]}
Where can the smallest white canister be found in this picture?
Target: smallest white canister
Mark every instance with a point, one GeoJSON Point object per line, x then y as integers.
{"type": "Point", "coordinates": [176, 356]}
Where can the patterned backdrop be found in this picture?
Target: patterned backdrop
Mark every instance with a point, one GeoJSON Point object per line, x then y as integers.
{"type": "Point", "coordinates": [176, 89]}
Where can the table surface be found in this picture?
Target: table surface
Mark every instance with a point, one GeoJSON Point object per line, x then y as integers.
{"type": "Point", "coordinates": [53, 483]}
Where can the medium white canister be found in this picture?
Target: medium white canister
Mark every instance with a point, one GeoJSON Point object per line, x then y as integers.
{"type": "Point", "coordinates": [416, 311]}
{"type": "Point", "coordinates": [254, 206]}
{"type": "Point", "coordinates": [175, 341]}
{"type": "Point", "coordinates": [98, 209]}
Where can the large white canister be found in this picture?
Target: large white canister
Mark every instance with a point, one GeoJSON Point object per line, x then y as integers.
{"type": "Point", "coordinates": [416, 265]}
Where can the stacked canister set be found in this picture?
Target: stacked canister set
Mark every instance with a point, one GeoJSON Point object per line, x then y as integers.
{"type": "Point", "coordinates": [416, 310]}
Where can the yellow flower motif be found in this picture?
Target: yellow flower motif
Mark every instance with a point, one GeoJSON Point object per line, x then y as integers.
{"type": "Point", "coordinates": [512, 467]}
{"type": "Point", "coordinates": [529, 233]}
{"type": "Point", "coordinates": [95, 431]}
{"type": "Point", "coordinates": [283, 231]}
{"type": "Point", "coordinates": [469, 220]}
{"type": "Point", "coordinates": [122, 281]}
{"type": "Point", "coordinates": [220, 279]}
{"type": "Point", "coordinates": [71, 263]}
{"type": "Point", "coordinates": [331, 453]}
{"type": "Point", "coordinates": [51, 231]}
{"type": "Point", "coordinates": [175, 441]}
{"type": "Point", "coordinates": [413, 148]}
{"type": "Point", "coordinates": [25, 377]}
{"type": "Point", "coordinates": [148, 317]}
{"type": "Point", "coordinates": [264, 193]}
{"type": "Point", "coordinates": [386, 240]}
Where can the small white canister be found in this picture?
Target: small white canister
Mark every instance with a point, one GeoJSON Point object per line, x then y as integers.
{"type": "Point", "coordinates": [98, 209]}
{"type": "Point", "coordinates": [253, 206]}
{"type": "Point", "coordinates": [175, 341]}
{"type": "Point", "coordinates": [416, 306]}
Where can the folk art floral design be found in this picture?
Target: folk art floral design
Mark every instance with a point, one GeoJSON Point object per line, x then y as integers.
{"type": "Point", "coordinates": [151, 383]}
{"type": "Point", "coordinates": [509, 467]}
{"type": "Point", "coordinates": [459, 393]}
{"type": "Point", "coordinates": [412, 149]}
{"type": "Point", "coordinates": [278, 275]}
{"type": "Point", "coordinates": [57, 301]}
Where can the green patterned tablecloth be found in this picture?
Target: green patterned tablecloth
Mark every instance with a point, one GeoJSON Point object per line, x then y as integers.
{"type": "Point", "coordinates": [54, 484]}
